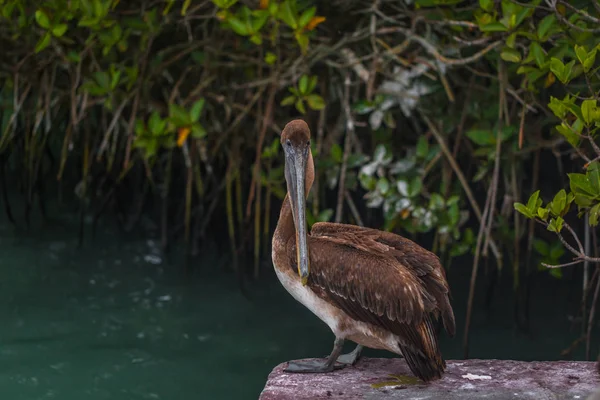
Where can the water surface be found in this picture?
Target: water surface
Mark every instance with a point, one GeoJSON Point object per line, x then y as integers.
{"type": "Point", "coordinates": [115, 320]}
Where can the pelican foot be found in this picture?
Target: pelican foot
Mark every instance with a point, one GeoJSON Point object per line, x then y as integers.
{"type": "Point", "coordinates": [350, 358]}
{"type": "Point", "coordinates": [312, 366]}
{"type": "Point", "coordinates": [316, 366]}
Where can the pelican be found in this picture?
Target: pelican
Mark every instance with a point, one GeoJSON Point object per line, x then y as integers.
{"type": "Point", "coordinates": [375, 288]}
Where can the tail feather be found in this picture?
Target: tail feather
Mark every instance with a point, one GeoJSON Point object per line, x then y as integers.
{"type": "Point", "coordinates": [426, 362]}
{"type": "Point", "coordinates": [425, 368]}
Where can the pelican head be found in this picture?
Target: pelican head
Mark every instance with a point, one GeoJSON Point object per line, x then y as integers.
{"type": "Point", "coordinates": [295, 140]}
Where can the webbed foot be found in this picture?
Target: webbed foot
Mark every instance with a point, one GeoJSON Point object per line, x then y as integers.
{"type": "Point", "coordinates": [319, 366]}
{"type": "Point", "coordinates": [312, 366]}
{"type": "Point", "coordinates": [350, 358]}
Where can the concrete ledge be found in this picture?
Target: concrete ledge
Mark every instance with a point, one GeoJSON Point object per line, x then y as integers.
{"type": "Point", "coordinates": [464, 379]}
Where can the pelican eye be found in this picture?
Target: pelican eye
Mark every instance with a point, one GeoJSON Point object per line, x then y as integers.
{"type": "Point", "coordinates": [289, 143]}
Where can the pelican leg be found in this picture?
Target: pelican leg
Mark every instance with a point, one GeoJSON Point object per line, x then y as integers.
{"type": "Point", "coordinates": [352, 357]}
{"type": "Point", "coordinates": [316, 366]}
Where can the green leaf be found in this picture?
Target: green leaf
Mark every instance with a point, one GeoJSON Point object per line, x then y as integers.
{"type": "Point", "coordinates": [594, 213]}
{"type": "Point", "coordinates": [178, 115]}
{"type": "Point", "coordinates": [581, 53]}
{"type": "Point", "coordinates": [139, 142]}
{"type": "Point", "coordinates": [336, 153]}
{"type": "Point", "coordinates": [114, 79]}
{"type": "Point", "coordinates": [580, 184]}
{"type": "Point", "coordinates": [557, 106]}
{"type": "Point", "coordinates": [98, 8]}
{"type": "Point", "coordinates": [573, 108]}
{"type": "Point", "coordinates": [198, 131]}
{"type": "Point", "coordinates": [568, 71]}
{"type": "Point", "coordinates": [116, 33]}
{"type": "Point", "coordinates": [363, 107]}
{"type": "Point", "coordinates": [184, 7]}
{"type": "Point", "coordinates": [527, 69]}
{"type": "Point", "coordinates": [583, 201]}
{"type": "Point", "coordinates": [556, 272]}
{"type": "Point", "coordinates": [59, 30]}
{"type": "Point", "coordinates": [422, 147]}
{"type": "Point", "coordinates": [541, 247]}
{"type": "Point", "coordinates": [196, 110]}
{"type": "Point", "coordinates": [139, 127]}
{"type": "Point", "coordinates": [315, 101]}
{"type": "Point", "coordinates": [288, 101]}
{"type": "Point", "coordinates": [303, 84]}
{"type": "Point", "coordinates": [436, 202]}
{"type": "Point", "coordinates": [300, 106]}
{"type": "Point", "coordinates": [261, 18]}
{"type": "Point", "coordinates": [534, 202]}
{"type": "Point", "coordinates": [43, 42]}
{"type": "Point", "coordinates": [557, 67]}
{"type": "Point", "coordinates": [307, 16]}
{"type": "Point", "coordinates": [482, 137]}
{"type": "Point", "coordinates": [225, 4]}
{"type": "Point", "coordinates": [103, 79]}
{"type": "Point", "coordinates": [238, 26]}
{"type": "Point", "coordinates": [590, 60]}
{"type": "Point", "coordinates": [559, 203]}
{"type": "Point", "coordinates": [556, 251]}
{"type": "Point", "coordinates": [563, 72]}
{"type": "Point", "coordinates": [588, 110]}
{"type": "Point", "coordinates": [511, 40]}
{"type": "Point", "coordinates": [486, 5]}
{"type": "Point", "coordinates": [302, 40]}
{"type": "Point", "coordinates": [556, 225]}
{"type": "Point", "coordinates": [273, 8]}
{"type": "Point", "coordinates": [325, 215]}
{"type": "Point", "coordinates": [287, 14]}
{"type": "Point", "coordinates": [510, 55]}
{"type": "Point", "coordinates": [493, 27]}
{"type": "Point", "coordinates": [593, 176]}
{"type": "Point", "coordinates": [383, 185]}
{"type": "Point", "coordinates": [544, 26]}
{"type": "Point", "coordinates": [368, 182]}
{"type": "Point", "coordinates": [270, 58]}
{"type": "Point", "coordinates": [256, 39]}
{"type": "Point", "coordinates": [538, 54]}
{"type": "Point", "coordinates": [521, 15]}
{"type": "Point", "coordinates": [543, 213]}
{"type": "Point", "coordinates": [415, 186]}
{"type": "Point", "coordinates": [312, 83]}
{"type": "Point", "coordinates": [453, 214]}
{"type": "Point", "coordinates": [73, 57]}
{"type": "Point", "coordinates": [42, 19]}
{"type": "Point", "coordinates": [452, 200]}
{"type": "Point", "coordinates": [155, 124]}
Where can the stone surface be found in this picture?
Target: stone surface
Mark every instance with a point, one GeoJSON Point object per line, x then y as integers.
{"type": "Point", "coordinates": [464, 379]}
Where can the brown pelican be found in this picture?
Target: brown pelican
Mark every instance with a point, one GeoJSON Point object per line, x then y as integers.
{"type": "Point", "coordinates": [375, 288]}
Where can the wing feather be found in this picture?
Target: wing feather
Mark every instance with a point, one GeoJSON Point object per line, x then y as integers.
{"type": "Point", "coordinates": [422, 263]}
{"type": "Point", "coordinates": [370, 282]}
{"type": "Point", "coordinates": [366, 279]}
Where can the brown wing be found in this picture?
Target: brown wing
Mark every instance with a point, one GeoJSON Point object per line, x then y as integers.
{"type": "Point", "coordinates": [385, 280]}
{"type": "Point", "coordinates": [422, 263]}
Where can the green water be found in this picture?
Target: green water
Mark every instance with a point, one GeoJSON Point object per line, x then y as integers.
{"type": "Point", "coordinates": [114, 320]}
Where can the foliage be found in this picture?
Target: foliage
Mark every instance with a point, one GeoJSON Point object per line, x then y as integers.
{"type": "Point", "coordinates": [432, 116]}
{"type": "Point", "coordinates": [434, 112]}
{"type": "Point", "coordinates": [398, 188]}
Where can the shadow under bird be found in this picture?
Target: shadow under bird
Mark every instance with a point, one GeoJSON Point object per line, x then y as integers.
{"type": "Point", "coordinates": [375, 288]}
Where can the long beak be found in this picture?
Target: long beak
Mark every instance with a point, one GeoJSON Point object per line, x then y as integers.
{"type": "Point", "coordinates": [295, 171]}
